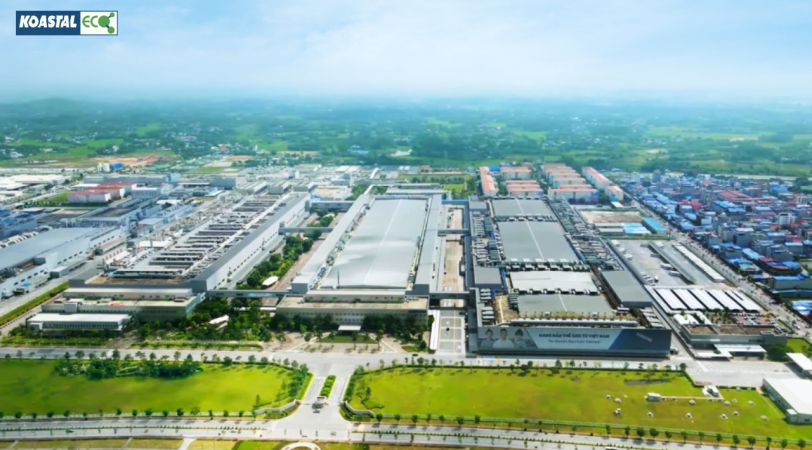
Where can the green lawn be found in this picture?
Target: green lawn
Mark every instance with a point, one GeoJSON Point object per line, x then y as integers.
{"type": "Point", "coordinates": [32, 385]}
{"type": "Point", "coordinates": [537, 135]}
{"type": "Point", "coordinates": [688, 133]}
{"type": "Point", "coordinates": [74, 443]}
{"type": "Point", "coordinates": [276, 146]}
{"type": "Point", "coordinates": [74, 153]}
{"type": "Point", "coordinates": [260, 445]}
{"type": "Point", "coordinates": [148, 129]}
{"type": "Point", "coordinates": [208, 170]}
{"type": "Point", "coordinates": [799, 345]}
{"type": "Point", "coordinates": [211, 444]}
{"type": "Point", "coordinates": [570, 395]}
{"type": "Point", "coordinates": [58, 198]}
{"type": "Point", "coordinates": [441, 122]}
{"type": "Point", "coordinates": [155, 443]}
{"type": "Point", "coordinates": [347, 339]}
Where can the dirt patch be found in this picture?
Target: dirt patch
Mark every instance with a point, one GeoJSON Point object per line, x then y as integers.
{"type": "Point", "coordinates": [130, 161]}
{"type": "Point", "coordinates": [609, 216]}
{"type": "Point", "coordinates": [238, 158]}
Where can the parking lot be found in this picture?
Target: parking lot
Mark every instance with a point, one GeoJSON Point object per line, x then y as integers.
{"type": "Point", "coordinates": [452, 333]}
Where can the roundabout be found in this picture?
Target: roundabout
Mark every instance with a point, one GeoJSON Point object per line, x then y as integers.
{"type": "Point", "coordinates": [304, 445]}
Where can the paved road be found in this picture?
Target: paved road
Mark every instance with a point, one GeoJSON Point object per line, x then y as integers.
{"type": "Point", "coordinates": [327, 423]}
{"type": "Point", "coordinates": [316, 430]}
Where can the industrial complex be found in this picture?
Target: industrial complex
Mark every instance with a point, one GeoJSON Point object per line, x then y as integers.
{"type": "Point", "coordinates": [521, 274]}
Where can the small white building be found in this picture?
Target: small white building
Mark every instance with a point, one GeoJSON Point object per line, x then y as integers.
{"type": "Point", "coordinates": [49, 322]}
{"type": "Point", "coordinates": [793, 396]}
{"type": "Point", "coordinates": [803, 363]}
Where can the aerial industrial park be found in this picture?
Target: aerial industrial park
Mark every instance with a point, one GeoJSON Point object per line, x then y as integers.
{"type": "Point", "coordinates": [342, 266]}
{"type": "Point", "coordinates": [365, 225]}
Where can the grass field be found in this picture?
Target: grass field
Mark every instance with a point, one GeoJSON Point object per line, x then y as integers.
{"type": "Point", "coordinates": [62, 197]}
{"type": "Point", "coordinates": [276, 146]}
{"type": "Point", "coordinates": [68, 152]}
{"type": "Point", "coordinates": [208, 170]}
{"type": "Point", "coordinates": [537, 135]}
{"type": "Point", "coordinates": [441, 122]}
{"type": "Point", "coordinates": [211, 444]}
{"type": "Point", "coordinates": [347, 339]}
{"type": "Point", "coordinates": [260, 445]}
{"type": "Point", "coordinates": [688, 133]}
{"type": "Point", "coordinates": [570, 395]}
{"type": "Point", "coordinates": [73, 443]}
{"type": "Point", "coordinates": [147, 129]}
{"type": "Point", "coordinates": [32, 386]}
{"type": "Point", "coordinates": [155, 443]}
{"type": "Point", "coordinates": [799, 345]}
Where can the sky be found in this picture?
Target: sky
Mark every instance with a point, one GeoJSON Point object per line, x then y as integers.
{"type": "Point", "coordinates": [716, 49]}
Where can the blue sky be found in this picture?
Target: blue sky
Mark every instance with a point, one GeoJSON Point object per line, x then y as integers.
{"type": "Point", "coordinates": [705, 49]}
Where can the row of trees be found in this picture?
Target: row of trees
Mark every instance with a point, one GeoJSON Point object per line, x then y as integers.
{"type": "Point", "coordinates": [405, 329]}
{"type": "Point", "coordinates": [278, 264]}
{"type": "Point", "coordinates": [115, 366]}
{"type": "Point", "coordinates": [627, 430]}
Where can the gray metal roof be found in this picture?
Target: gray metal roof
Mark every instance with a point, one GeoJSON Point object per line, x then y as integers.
{"type": "Point", "coordinates": [533, 240]}
{"type": "Point", "coordinates": [487, 276]}
{"type": "Point", "coordinates": [552, 280]}
{"type": "Point", "coordinates": [563, 303]}
{"type": "Point", "coordinates": [381, 252]}
{"type": "Point", "coordinates": [45, 242]}
{"type": "Point", "coordinates": [521, 207]}
{"type": "Point", "coordinates": [625, 286]}
{"type": "Point", "coordinates": [429, 252]}
{"type": "Point", "coordinates": [310, 270]}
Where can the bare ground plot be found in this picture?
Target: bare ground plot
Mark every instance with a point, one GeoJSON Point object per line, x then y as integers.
{"type": "Point", "coordinates": [453, 254]}
{"type": "Point", "coordinates": [594, 216]}
{"type": "Point", "coordinates": [455, 214]}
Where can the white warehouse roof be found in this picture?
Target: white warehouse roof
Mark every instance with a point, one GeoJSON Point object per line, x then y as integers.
{"type": "Point", "coordinates": [801, 361]}
{"type": "Point", "coordinates": [79, 318]}
{"type": "Point", "coordinates": [797, 393]}
{"type": "Point", "coordinates": [380, 253]}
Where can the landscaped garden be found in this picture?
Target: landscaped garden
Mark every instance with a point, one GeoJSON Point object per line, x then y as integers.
{"type": "Point", "coordinates": [567, 396]}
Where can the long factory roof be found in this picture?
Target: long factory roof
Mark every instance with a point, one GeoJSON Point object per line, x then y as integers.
{"type": "Point", "coordinates": [380, 253]}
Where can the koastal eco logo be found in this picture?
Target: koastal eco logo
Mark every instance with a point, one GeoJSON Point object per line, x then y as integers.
{"type": "Point", "coordinates": [99, 23]}
{"type": "Point", "coordinates": [67, 23]}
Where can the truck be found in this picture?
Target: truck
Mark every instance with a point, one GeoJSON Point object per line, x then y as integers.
{"type": "Point", "coordinates": [59, 272]}
{"type": "Point", "coordinates": [23, 289]}
{"type": "Point", "coordinates": [28, 286]}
